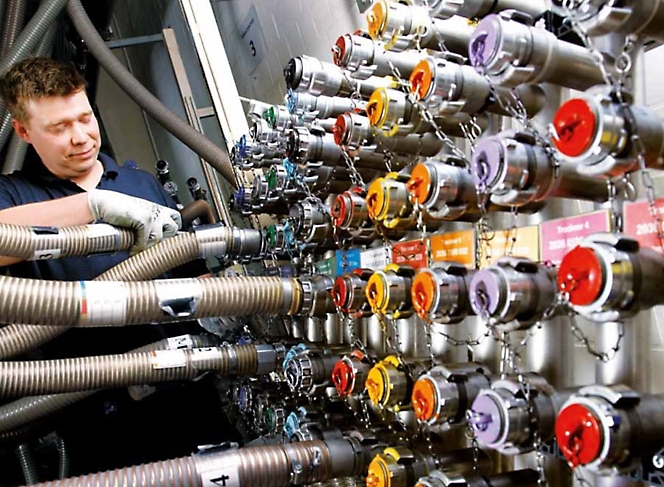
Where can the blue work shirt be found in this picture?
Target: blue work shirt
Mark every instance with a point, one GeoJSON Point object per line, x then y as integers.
{"type": "Point", "coordinates": [35, 183]}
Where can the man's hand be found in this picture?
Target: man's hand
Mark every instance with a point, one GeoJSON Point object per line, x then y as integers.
{"type": "Point", "coordinates": [152, 222]}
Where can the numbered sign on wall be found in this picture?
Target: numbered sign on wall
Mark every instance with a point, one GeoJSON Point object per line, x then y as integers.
{"type": "Point", "coordinates": [252, 41]}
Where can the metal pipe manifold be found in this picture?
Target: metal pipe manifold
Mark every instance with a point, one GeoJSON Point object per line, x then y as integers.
{"type": "Point", "coordinates": [403, 27]}
{"type": "Point", "coordinates": [642, 17]}
{"type": "Point", "coordinates": [299, 463]}
{"type": "Point", "coordinates": [364, 58]}
{"type": "Point", "coordinates": [321, 107]}
{"type": "Point", "coordinates": [310, 75]}
{"type": "Point", "coordinates": [511, 53]}
{"type": "Point", "coordinates": [95, 303]}
{"type": "Point", "coordinates": [517, 171]}
{"type": "Point", "coordinates": [136, 368]}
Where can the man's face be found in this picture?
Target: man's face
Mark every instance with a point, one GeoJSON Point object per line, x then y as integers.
{"type": "Point", "coordinates": [64, 132]}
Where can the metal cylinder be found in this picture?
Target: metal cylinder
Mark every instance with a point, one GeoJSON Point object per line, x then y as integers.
{"type": "Point", "coordinates": [511, 53]}
{"type": "Point", "coordinates": [448, 88]}
{"type": "Point", "coordinates": [389, 383]}
{"type": "Point", "coordinates": [311, 107]}
{"type": "Point", "coordinates": [406, 26]}
{"type": "Point", "coordinates": [641, 17]}
{"type": "Point", "coordinates": [440, 293]}
{"type": "Point", "coordinates": [476, 9]}
{"type": "Point", "coordinates": [596, 133]}
{"type": "Point", "coordinates": [521, 478]}
{"type": "Point", "coordinates": [388, 291]}
{"type": "Point", "coordinates": [517, 171]}
{"type": "Point", "coordinates": [514, 293]}
{"type": "Point", "coordinates": [350, 373]}
{"type": "Point", "coordinates": [365, 58]}
{"type": "Point", "coordinates": [311, 75]}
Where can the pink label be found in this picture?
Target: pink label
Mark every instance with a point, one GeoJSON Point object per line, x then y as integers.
{"type": "Point", "coordinates": [641, 225]}
{"type": "Point", "coordinates": [557, 237]}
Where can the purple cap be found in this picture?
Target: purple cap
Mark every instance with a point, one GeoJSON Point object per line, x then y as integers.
{"type": "Point", "coordinates": [484, 292]}
{"type": "Point", "coordinates": [488, 162]}
{"type": "Point", "coordinates": [485, 42]}
{"type": "Point", "coordinates": [485, 419]}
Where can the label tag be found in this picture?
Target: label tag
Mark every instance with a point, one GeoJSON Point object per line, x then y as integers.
{"type": "Point", "coordinates": [454, 246]}
{"type": "Point", "coordinates": [205, 354]}
{"type": "Point", "coordinates": [178, 342]}
{"type": "Point", "coordinates": [168, 359]}
{"type": "Point", "coordinates": [412, 254]}
{"type": "Point", "coordinates": [327, 267]}
{"type": "Point", "coordinates": [348, 260]}
{"type": "Point", "coordinates": [46, 254]}
{"type": "Point", "coordinates": [526, 245]}
{"type": "Point", "coordinates": [557, 237]}
{"type": "Point", "coordinates": [100, 230]}
{"type": "Point", "coordinates": [641, 225]}
{"type": "Point", "coordinates": [376, 259]}
{"type": "Point", "coordinates": [102, 303]}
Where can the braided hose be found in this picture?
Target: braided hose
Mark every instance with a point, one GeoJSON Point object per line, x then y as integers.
{"type": "Point", "coordinates": [27, 410]}
{"type": "Point", "coordinates": [300, 463]}
{"type": "Point", "coordinates": [27, 463]}
{"type": "Point", "coordinates": [109, 371]}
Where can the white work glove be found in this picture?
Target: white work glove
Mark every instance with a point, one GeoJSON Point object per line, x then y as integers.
{"type": "Point", "coordinates": [152, 222]}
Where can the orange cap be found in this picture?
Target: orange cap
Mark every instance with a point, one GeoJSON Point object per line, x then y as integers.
{"type": "Point", "coordinates": [424, 399]}
{"type": "Point", "coordinates": [375, 198]}
{"type": "Point", "coordinates": [423, 293]}
{"type": "Point", "coordinates": [419, 184]}
{"type": "Point", "coordinates": [421, 78]}
{"type": "Point", "coordinates": [377, 19]}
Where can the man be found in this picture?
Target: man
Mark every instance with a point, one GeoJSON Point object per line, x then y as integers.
{"type": "Point", "coordinates": [74, 184]}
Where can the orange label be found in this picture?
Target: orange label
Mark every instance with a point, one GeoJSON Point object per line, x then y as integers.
{"type": "Point", "coordinates": [499, 244]}
{"type": "Point", "coordinates": [412, 253]}
{"type": "Point", "coordinates": [454, 246]}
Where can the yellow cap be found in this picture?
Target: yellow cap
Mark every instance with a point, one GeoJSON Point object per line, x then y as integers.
{"type": "Point", "coordinates": [377, 293]}
{"type": "Point", "coordinates": [377, 199]}
{"type": "Point", "coordinates": [421, 78]}
{"type": "Point", "coordinates": [376, 384]}
{"type": "Point", "coordinates": [377, 107]}
{"type": "Point", "coordinates": [377, 19]}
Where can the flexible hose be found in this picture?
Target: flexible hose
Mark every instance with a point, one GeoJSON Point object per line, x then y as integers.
{"type": "Point", "coordinates": [197, 209]}
{"type": "Point", "coordinates": [14, 20]}
{"type": "Point", "coordinates": [63, 457]}
{"type": "Point", "coordinates": [27, 463]}
{"type": "Point", "coordinates": [17, 147]}
{"type": "Point", "coordinates": [28, 410]}
{"type": "Point", "coordinates": [146, 100]}
{"type": "Point", "coordinates": [265, 466]}
{"type": "Point", "coordinates": [19, 379]}
{"type": "Point", "coordinates": [216, 241]}
{"type": "Point", "coordinates": [25, 44]}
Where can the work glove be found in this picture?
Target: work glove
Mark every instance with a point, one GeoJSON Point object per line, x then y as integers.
{"type": "Point", "coordinates": [151, 222]}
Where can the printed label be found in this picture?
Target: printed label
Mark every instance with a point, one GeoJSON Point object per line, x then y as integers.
{"type": "Point", "coordinates": [412, 254]}
{"type": "Point", "coordinates": [46, 254]}
{"type": "Point", "coordinates": [102, 303]}
{"type": "Point", "coordinates": [454, 246]}
{"type": "Point", "coordinates": [168, 359]}
{"type": "Point", "coordinates": [347, 261]}
{"type": "Point", "coordinates": [557, 237]}
{"type": "Point", "coordinates": [182, 341]}
{"type": "Point", "coordinates": [526, 244]}
{"type": "Point", "coordinates": [376, 259]}
{"type": "Point", "coordinates": [327, 267]}
{"type": "Point", "coordinates": [641, 225]}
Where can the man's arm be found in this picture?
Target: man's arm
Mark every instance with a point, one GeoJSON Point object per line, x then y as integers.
{"type": "Point", "coordinates": [63, 212]}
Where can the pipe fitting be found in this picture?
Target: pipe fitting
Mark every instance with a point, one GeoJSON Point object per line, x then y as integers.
{"type": "Point", "coordinates": [350, 373]}
{"type": "Point", "coordinates": [349, 294]}
{"type": "Point", "coordinates": [609, 278]}
{"type": "Point", "coordinates": [316, 296]}
{"type": "Point", "coordinates": [640, 17]}
{"type": "Point", "coordinates": [514, 293]}
{"type": "Point", "coordinates": [594, 132]}
{"type": "Point", "coordinates": [523, 478]}
{"type": "Point", "coordinates": [447, 88]}
{"type": "Point", "coordinates": [517, 171]}
{"type": "Point", "coordinates": [389, 383]}
{"type": "Point", "coordinates": [388, 292]}
{"type": "Point", "coordinates": [440, 293]}
{"type": "Point", "coordinates": [442, 395]}
{"type": "Point", "coordinates": [477, 9]}
{"type": "Point", "coordinates": [506, 418]}
{"type": "Point", "coordinates": [312, 107]}
{"type": "Point", "coordinates": [610, 429]}
{"type": "Point", "coordinates": [403, 27]}
{"type": "Point", "coordinates": [510, 54]}
{"type": "Point", "coordinates": [309, 370]}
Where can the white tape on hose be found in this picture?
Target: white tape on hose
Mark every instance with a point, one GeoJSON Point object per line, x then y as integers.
{"type": "Point", "coordinates": [102, 303]}
{"type": "Point", "coordinates": [168, 359]}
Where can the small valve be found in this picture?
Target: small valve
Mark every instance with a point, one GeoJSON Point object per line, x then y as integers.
{"type": "Point", "coordinates": [595, 133]}
{"type": "Point", "coordinates": [517, 171]}
{"type": "Point", "coordinates": [511, 53]}
{"type": "Point", "coordinates": [609, 429]}
{"type": "Point", "coordinates": [610, 278]}
{"type": "Point", "coordinates": [440, 293]}
{"type": "Point", "coordinates": [349, 294]}
{"type": "Point", "coordinates": [443, 394]}
{"type": "Point", "coordinates": [350, 373]}
{"type": "Point", "coordinates": [507, 416]}
{"type": "Point", "coordinates": [389, 383]}
{"type": "Point", "coordinates": [309, 370]}
{"type": "Point", "coordinates": [388, 292]}
{"type": "Point", "coordinates": [514, 293]}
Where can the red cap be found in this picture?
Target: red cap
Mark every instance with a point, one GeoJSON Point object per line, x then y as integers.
{"type": "Point", "coordinates": [339, 50]}
{"type": "Point", "coordinates": [339, 129]}
{"type": "Point", "coordinates": [343, 376]}
{"type": "Point", "coordinates": [339, 292]}
{"type": "Point", "coordinates": [581, 275]}
{"type": "Point", "coordinates": [576, 126]}
{"type": "Point", "coordinates": [339, 210]}
{"type": "Point", "coordinates": [579, 435]}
